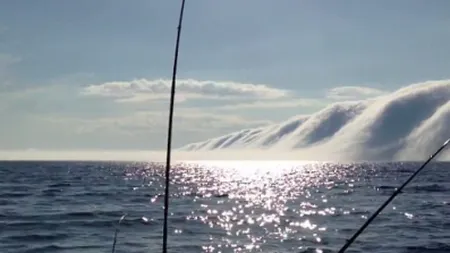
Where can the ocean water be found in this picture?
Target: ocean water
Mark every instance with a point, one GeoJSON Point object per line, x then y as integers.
{"type": "Point", "coordinates": [222, 207]}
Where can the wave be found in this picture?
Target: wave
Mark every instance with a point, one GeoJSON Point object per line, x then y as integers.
{"type": "Point", "coordinates": [412, 121]}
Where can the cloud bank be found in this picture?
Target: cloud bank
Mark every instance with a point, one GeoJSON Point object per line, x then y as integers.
{"type": "Point", "coordinates": [407, 124]}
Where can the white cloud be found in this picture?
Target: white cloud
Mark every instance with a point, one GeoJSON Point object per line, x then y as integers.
{"type": "Point", "coordinates": [139, 98]}
{"type": "Point", "coordinates": [378, 128]}
{"type": "Point", "coordinates": [353, 92]}
{"type": "Point", "coordinates": [140, 90]}
{"type": "Point", "coordinates": [407, 124]}
{"type": "Point", "coordinates": [274, 104]}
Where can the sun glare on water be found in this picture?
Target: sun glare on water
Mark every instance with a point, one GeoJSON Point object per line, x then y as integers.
{"type": "Point", "coordinates": [247, 204]}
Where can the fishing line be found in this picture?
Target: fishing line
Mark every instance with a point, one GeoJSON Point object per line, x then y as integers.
{"type": "Point", "coordinates": [396, 192]}
{"type": "Point", "coordinates": [169, 130]}
{"type": "Point", "coordinates": [116, 232]}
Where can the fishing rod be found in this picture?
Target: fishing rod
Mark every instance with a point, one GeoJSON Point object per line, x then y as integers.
{"type": "Point", "coordinates": [169, 131]}
{"type": "Point", "coordinates": [396, 192]}
{"type": "Point", "coordinates": [169, 141]}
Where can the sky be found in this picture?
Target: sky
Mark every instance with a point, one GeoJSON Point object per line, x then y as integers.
{"type": "Point", "coordinates": [96, 74]}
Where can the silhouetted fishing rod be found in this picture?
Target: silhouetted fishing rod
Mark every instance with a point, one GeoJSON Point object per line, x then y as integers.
{"type": "Point", "coordinates": [169, 131]}
{"type": "Point", "coordinates": [399, 190]}
{"type": "Point", "coordinates": [169, 142]}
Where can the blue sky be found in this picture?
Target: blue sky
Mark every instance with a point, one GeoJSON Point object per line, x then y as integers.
{"type": "Point", "coordinates": [94, 74]}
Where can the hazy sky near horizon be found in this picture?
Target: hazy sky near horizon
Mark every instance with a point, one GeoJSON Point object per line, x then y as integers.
{"type": "Point", "coordinates": [95, 74]}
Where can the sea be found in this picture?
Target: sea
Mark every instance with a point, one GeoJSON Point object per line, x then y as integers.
{"type": "Point", "coordinates": [222, 206]}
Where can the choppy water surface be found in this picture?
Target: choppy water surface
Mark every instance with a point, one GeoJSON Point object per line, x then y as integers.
{"type": "Point", "coordinates": [222, 207]}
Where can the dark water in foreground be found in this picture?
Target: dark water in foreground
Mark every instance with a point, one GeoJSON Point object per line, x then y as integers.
{"type": "Point", "coordinates": [222, 207]}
